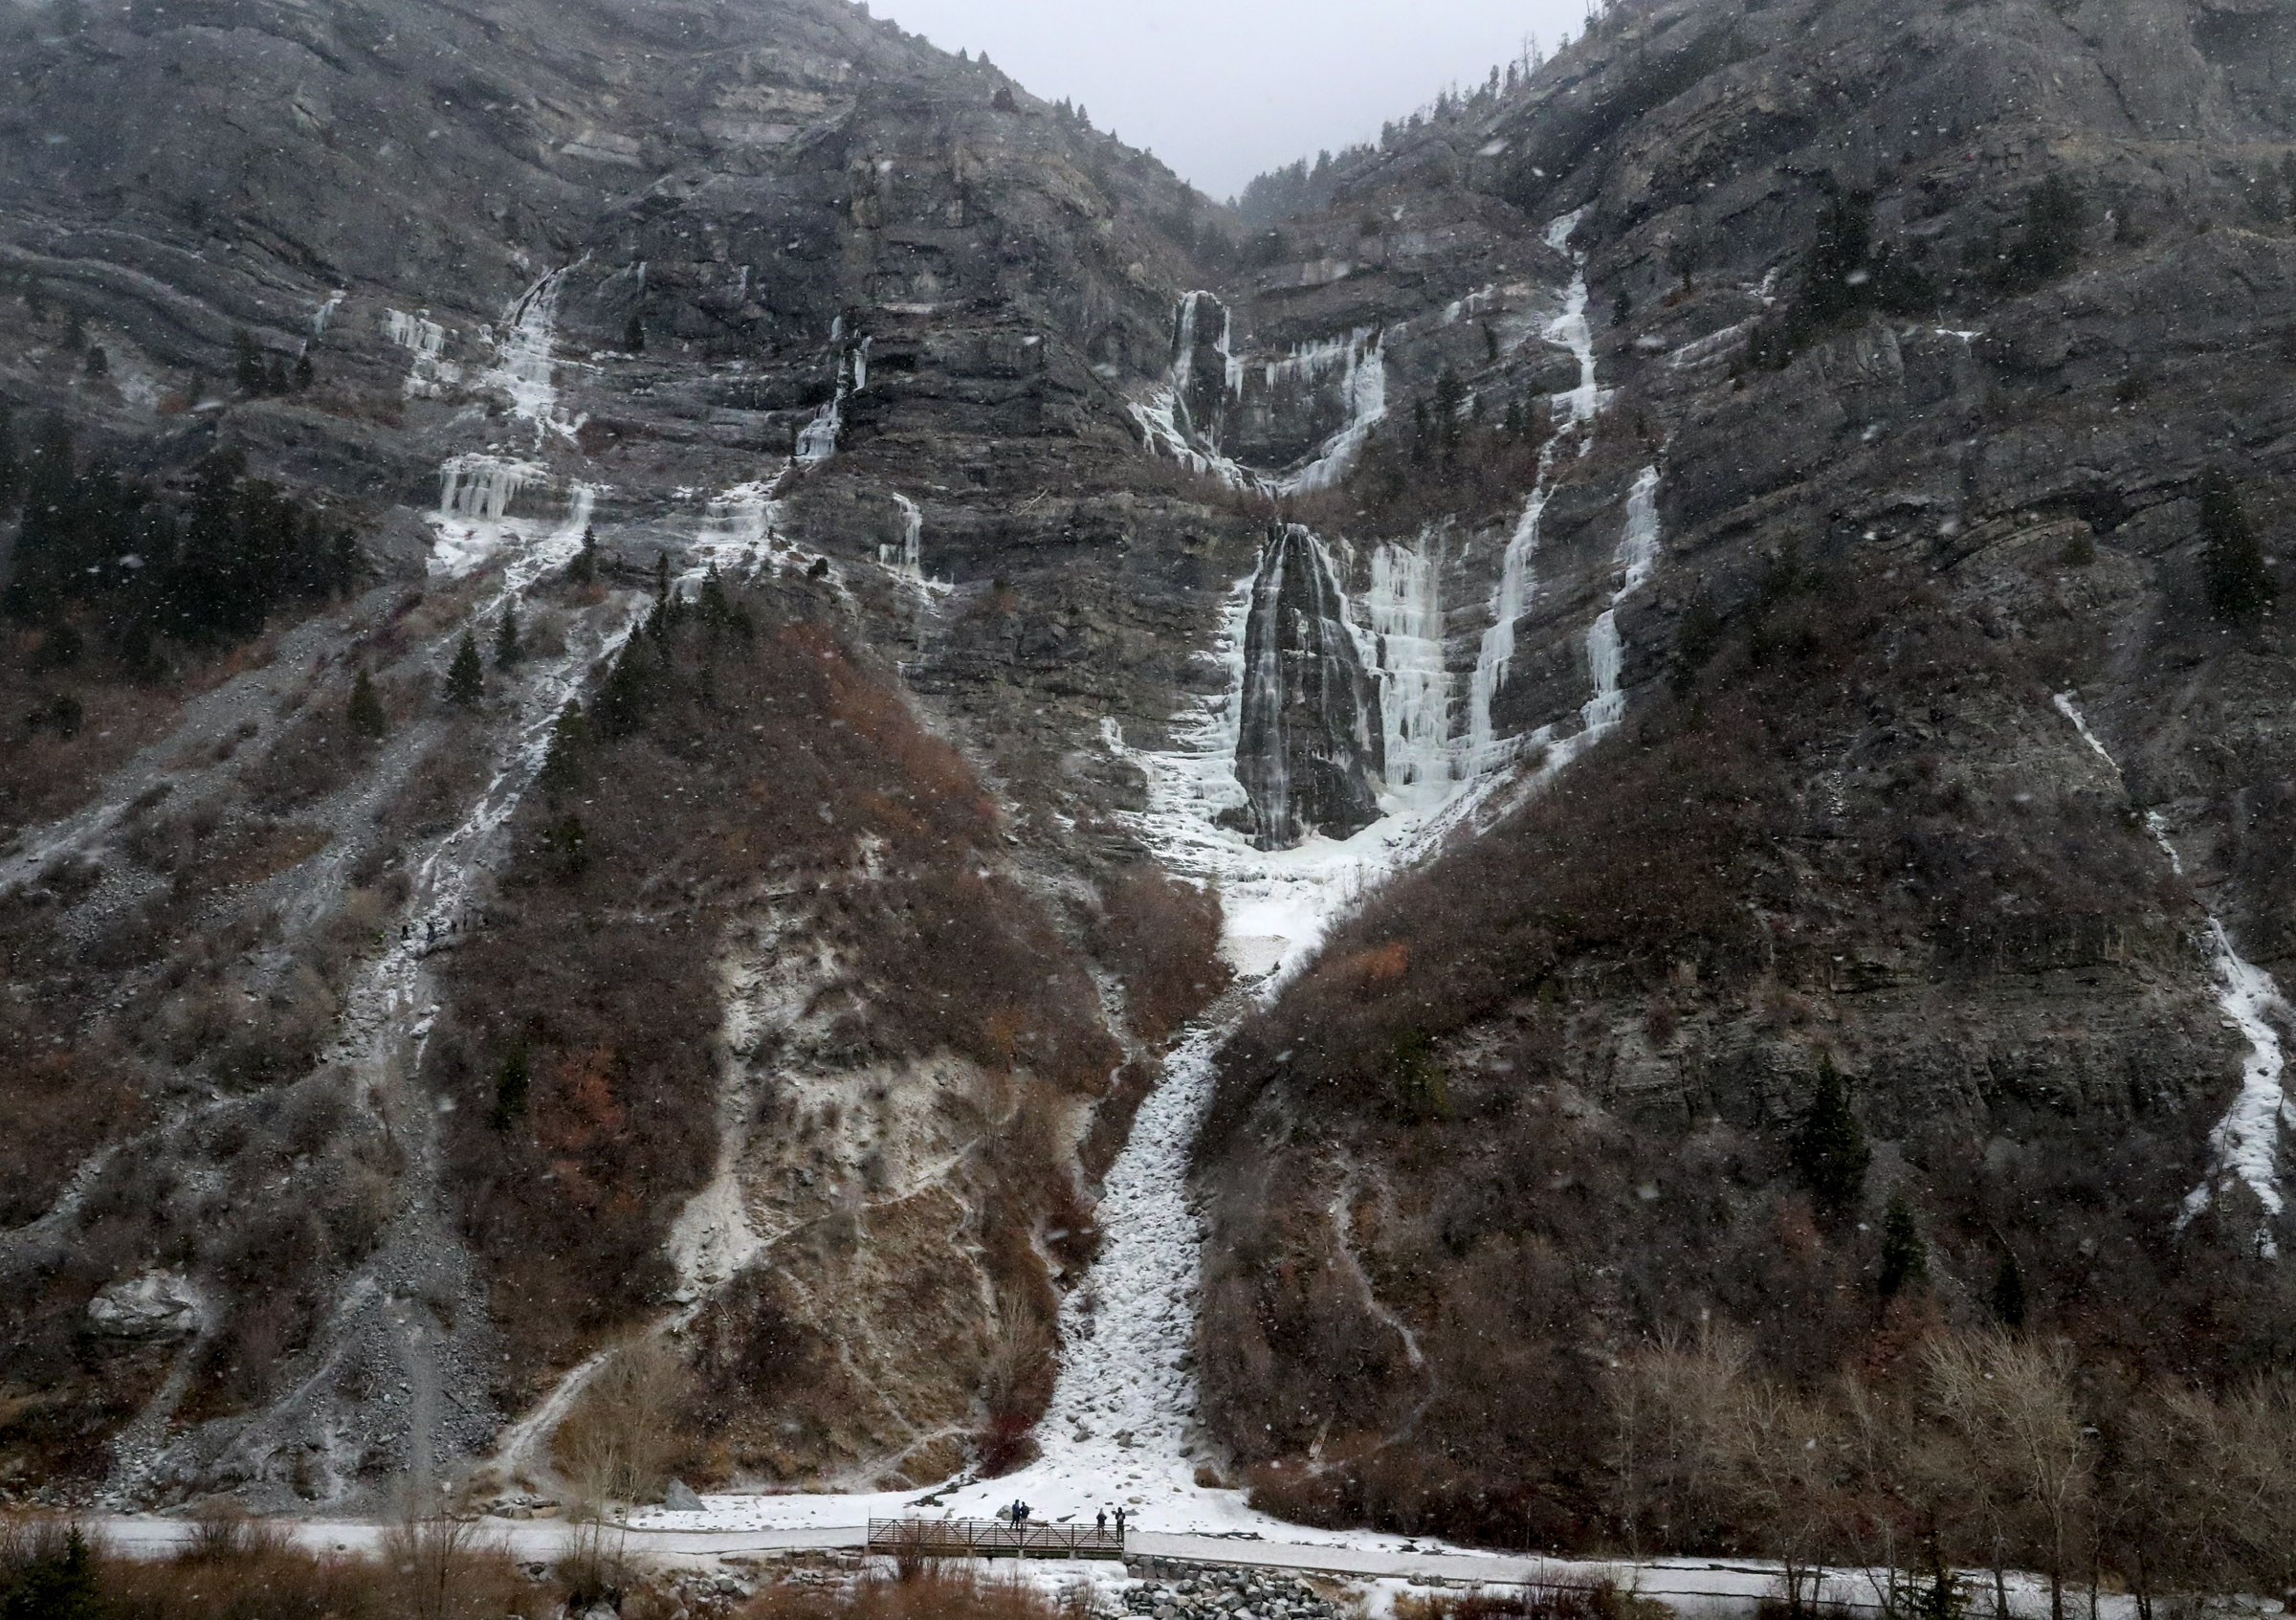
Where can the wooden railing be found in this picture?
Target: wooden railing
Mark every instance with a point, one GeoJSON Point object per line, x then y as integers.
{"type": "Point", "coordinates": [990, 1538]}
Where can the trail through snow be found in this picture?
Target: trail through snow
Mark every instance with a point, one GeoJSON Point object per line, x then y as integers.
{"type": "Point", "coordinates": [2245, 1146]}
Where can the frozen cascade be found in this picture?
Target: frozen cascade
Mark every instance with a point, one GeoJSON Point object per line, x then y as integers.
{"type": "Point", "coordinates": [1638, 555]}
{"type": "Point", "coordinates": [1405, 613]}
{"type": "Point", "coordinates": [1180, 416]}
{"type": "Point", "coordinates": [817, 439]}
{"type": "Point", "coordinates": [428, 372]}
{"type": "Point", "coordinates": [482, 487]}
{"type": "Point", "coordinates": [524, 368]}
{"type": "Point", "coordinates": [1496, 655]}
{"type": "Point", "coordinates": [907, 559]}
{"type": "Point", "coordinates": [2244, 1145]}
{"type": "Point", "coordinates": [1574, 411]}
{"type": "Point", "coordinates": [1364, 388]}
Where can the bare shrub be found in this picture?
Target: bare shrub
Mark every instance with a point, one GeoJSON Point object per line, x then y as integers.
{"type": "Point", "coordinates": [620, 1439]}
{"type": "Point", "coordinates": [2011, 1403]}
{"type": "Point", "coordinates": [1162, 935]}
{"type": "Point", "coordinates": [928, 1591]}
{"type": "Point", "coordinates": [443, 1568]}
{"type": "Point", "coordinates": [225, 1533]}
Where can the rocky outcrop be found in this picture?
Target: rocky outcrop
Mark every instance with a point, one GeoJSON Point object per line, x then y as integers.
{"type": "Point", "coordinates": [1310, 745]}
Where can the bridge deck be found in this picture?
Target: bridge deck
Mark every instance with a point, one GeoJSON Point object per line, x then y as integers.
{"type": "Point", "coordinates": [990, 1538]}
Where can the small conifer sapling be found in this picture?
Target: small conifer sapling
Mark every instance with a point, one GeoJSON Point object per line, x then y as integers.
{"type": "Point", "coordinates": [466, 676]}
{"type": "Point", "coordinates": [507, 651]}
{"type": "Point", "coordinates": [366, 715]}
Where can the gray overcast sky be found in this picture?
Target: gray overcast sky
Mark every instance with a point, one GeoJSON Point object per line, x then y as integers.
{"type": "Point", "coordinates": [1224, 89]}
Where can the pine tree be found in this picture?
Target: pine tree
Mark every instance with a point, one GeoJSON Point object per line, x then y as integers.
{"type": "Point", "coordinates": [634, 334]}
{"type": "Point", "coordinates": [1905, 1256]}
{"type": "Point", "coordinates": [12, 466]}
{"type": "Point", "coordinates": [621, 706]}
{"type": "Point", "coordinates": [99, 364]}
{"type": "Point", "coordinates": [1830, 1154]}
{"type": "Point", "coordinates": [507, 652]}
{"type": "Point", "coordinates": [58, 1586]}
{"type": "Point", "coordinates": [2232, 559]}
{"type": "Point", "coordinates": [661, 576]}
{"type": "Point", "coordinates": [568, 843]}
{"type": "Point", "coordinates": [512, 1082]}
{"type": "Point", "coordinates": [561, 765]}
{"type": "Point", "coordinates": [583, 569]}
{"type": "Point", "coordinates": [466, 676]}
{"type": "Point", "coordinates": [247, 362]}
{"type": "Point", "coordinates": [2009, 1293]}
{"type": "Point", "coordinates": [305, 373]}
{"type": "Point", "coordinates": [365, 715]}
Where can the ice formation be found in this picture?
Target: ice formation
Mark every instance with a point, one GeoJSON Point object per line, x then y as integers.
{"type": "Point", "coordinates": [428, 372]}
{"type": "Point", "coordinates": [817, 439]}
{"type": "Point", "coordinates": [2244, 1145]}
{"type": "Point", "coordinates": [1403, 612]}
{"type": "Point", "coordinates": [1574, 413]}
{"type": "Point", "coordinates": [525, 369]}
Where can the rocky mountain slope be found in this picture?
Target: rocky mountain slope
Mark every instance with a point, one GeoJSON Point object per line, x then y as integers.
{"type": "Point", "coordinates": [1773, 520]}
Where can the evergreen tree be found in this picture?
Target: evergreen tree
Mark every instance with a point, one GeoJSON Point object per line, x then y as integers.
{"type": "Point", "coordinates": [1905, 1256]}
{"type": "Point", "coordinates": [583, 569]}
{"type": "Point", "coordinates": [247, 362]}
{"type": "Point", "coordinates": [61, 1585]}
{"type": "Point", "coordinates": [661, 577]}
{"type": "Point", "coordinates": [365, 715]}
{"type": "Point", "coordinates": [98, 363]}
{"type": "Point", "coordinates": [466, 676]}
{"type": "Point", "coordinates": [634, 334]}
{"type": "Point", "coordinates": [561, 765]}
{"type": "Point", "coordinates": [275, 376]}
{"type": "Point", "coordinates": [51, 543]}
{"type": "Point", "coordinates": [569, 842]}
{"type": "Point", "coordinates": [621, 706]}
{"type": "Point", "coordinates": [1830, 1154]}
{"type": "Point", "coordinates": [304, 371]}
{"type": "Point", "coordinates": [2232, 559]}
{"type": "Point", "coordinates": [512, 1082]}
{"type": "Point", "coordinates": [2009, 1293]}
{"type": "Point", "coordinates": [1450, 398]}
{"type": "Point", "coordinates": [507, 652]}
{"type": "Point", "coordinates": [11, 465]}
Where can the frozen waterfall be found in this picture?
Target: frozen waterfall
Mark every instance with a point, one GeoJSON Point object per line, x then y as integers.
{"type": "Point", "coordinates": [2244, 1145]}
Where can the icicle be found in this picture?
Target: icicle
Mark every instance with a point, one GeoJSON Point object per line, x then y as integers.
{"type": "Point", "coordinates": [482, 487]}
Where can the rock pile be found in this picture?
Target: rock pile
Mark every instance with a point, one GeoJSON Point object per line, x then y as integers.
{"type": "Point", "coordinates": [1194, 1592]}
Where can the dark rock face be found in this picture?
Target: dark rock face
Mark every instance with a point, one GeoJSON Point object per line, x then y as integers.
{"type": "Point", "coordinates": [1893, 525]}
{"type": "Point", "coordinates": [1310, 743]}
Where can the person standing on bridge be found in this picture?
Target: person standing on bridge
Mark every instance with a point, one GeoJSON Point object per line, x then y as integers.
{"type": "Point", "coordinates": [1101, 1523]}
{"type": "Point", "coordinates": [1119, 1521]}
